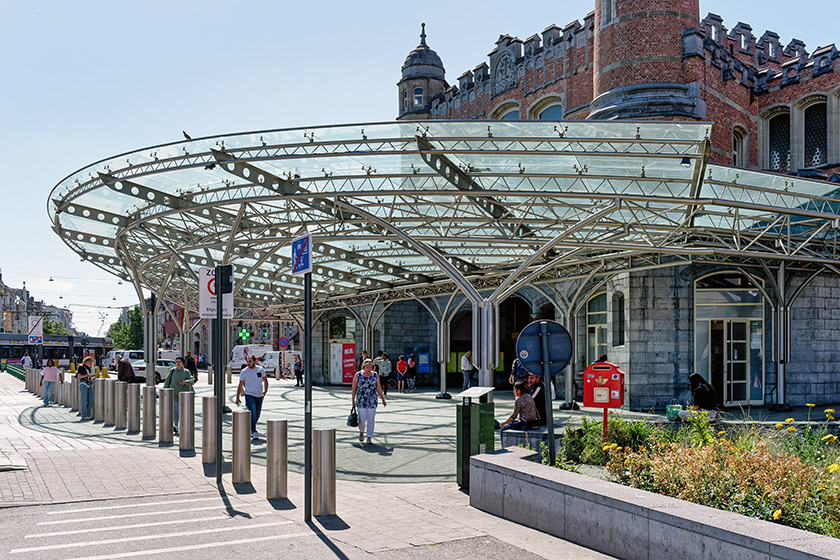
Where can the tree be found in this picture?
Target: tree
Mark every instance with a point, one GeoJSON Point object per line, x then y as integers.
{"type": "Point", "coordinates": [128, 336]}
{"type": "Point", "coordinates": [54, 327]}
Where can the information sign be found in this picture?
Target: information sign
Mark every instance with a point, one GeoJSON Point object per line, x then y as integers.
{"type": "Point", "coordinates": [302, 254]}
{"type": "Point", "coordinates": [36, 330]}
{"type": "Point", "coordinates": [207, 295]}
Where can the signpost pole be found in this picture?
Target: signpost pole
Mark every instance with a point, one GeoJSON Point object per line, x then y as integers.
{"type": "Point", "coordinates": [218, 378]}
{"type": "Point", "coordinates": [549, 414]}
{"type": "Point", "coordinates": [307, 360]}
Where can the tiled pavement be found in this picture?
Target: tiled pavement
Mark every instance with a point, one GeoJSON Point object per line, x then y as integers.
{"type": "Point", "coordinates": [419, 505]}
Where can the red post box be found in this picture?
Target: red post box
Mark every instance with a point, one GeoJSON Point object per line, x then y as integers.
{"type": "Point", "coordinates": [603, 387]}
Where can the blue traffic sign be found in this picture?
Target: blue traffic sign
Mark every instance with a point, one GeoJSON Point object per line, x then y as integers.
{"type": "Point", "coordinates": [530, 347]}
{"type": "Point", "coordinates": [302, 254]}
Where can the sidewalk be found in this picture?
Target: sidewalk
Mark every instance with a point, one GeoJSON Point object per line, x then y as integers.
{"type": "Point", "coordinates": [69, 461]}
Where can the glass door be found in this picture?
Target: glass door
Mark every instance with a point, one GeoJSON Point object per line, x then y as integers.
{"type": "Point", "coordinates": [737, 363]}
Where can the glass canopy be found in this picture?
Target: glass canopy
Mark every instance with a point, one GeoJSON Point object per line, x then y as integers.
{"type": "Point", "coordinates": [387, 203]}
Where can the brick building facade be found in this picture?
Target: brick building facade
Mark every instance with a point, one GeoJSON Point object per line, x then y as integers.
{"type": "Point", "coordinates": [774, 107]}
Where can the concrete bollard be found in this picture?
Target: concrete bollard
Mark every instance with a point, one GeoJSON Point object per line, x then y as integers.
{"type": "Point", "coordinates": [98, 399]}
{"type": "Point", "coordinates": [133, 408]}
{"type": "Point", "coordinates": [209, 375]}
{"type": "Point", "coordinates": [229, 374]}
{"type": "Point", "coordinates": [74, 395]}
{"type": "Point", "coordinates": [186, 421]}
{"type": "Point", "coordinates": [278, 372]}
{"type": "Point", "coordinates": [121, 389]}
{"type": "Point", "coordinates": [277, 460]}
{"type": "Point", "coordinates": [167, 412]}
{"type": "Point", "coordinates": [149, 412]}
{"type": "Point", "coordinates": [241, 446]}
{"type": "Point", "coordinates": [110, 401]}
{"type": "Point", "coordinates": [323, 472]}
{"type": "Point", "coordinates": [209, 422]}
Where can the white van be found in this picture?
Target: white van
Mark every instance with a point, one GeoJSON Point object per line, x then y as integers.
{"type": "Point", "coordinates": [167, 355]}
{"type": "Point", "coordinates": [113, 356]}
{"type": "Point", "coordinates": [271, 360]}
{"type": "Point", "coordinates": [241, 351]}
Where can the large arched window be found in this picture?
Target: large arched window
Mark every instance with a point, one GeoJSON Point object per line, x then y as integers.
{"type": "Point", "coordinates": [779, 142]}
{"type": "Point", "coordinates": [816, 138]}
{"type": "Point", "coordinates": [552, 113]}
{"type": "Point", "coordinates": [512, 115]}
{"type": "Point", "coordinates": [596, 327]}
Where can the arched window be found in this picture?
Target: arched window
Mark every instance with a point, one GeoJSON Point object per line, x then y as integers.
{"type": "Point", "coordinates": [596, 327]}
{"type": "Point", "coordinates": [553, 113]}
{"type": "Point", "coordinates": [779, 136]}
{"type": "Point", "coordinates": [418, 96]}
{"type": "Point", "coordinates": [512, 115]}
{"type": "Point", "coordinates": [740, 150]}
{"type": "Point", "coordinates": [816, 141]}
{"type": "Point", "coordinates": [618, 319]}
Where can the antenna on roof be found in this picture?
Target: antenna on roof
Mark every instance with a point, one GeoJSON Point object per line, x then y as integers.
{"type": "Point", "coordinates": [423, 34]}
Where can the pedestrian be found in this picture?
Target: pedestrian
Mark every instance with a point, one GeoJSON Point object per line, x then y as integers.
{"type": "Point", "coordinates": [48, 379]}
{"type": "Point", "coordinates": [298, 367]}
{"type": "Point", "coordinates": [85, 376]}
{"type": "Point", "coordinates": [26, 361]}
{"type": "Point", "coordinates": [703, 396]}
{"type": "Point", "coordinates": [466, 369]}
{"type": "Point", "coordinates": [125, 372]}
{"type": "Point", "coordinates": [383, 368]}
{"type": "Point", "coordinates": [181, 381]}
{"type": "Point", "coordinates": [402, 366]}
{"type": "Point", "coordinates": [517, 372]}
{"type": "Point", "coordinates": [536, 389]}
{"type": "Point", "coordinates": [366, 387]}
{"type": "Point", "coordinates": [189, 363]}
{"type": "Point", "coordinates": [411, 373]}
{"type": "Point", "coordinates": [250, 380]}
{"type": "Point", "coordinates": [361, 360]}
{"type": "Point", "coordinates": [525, 415]}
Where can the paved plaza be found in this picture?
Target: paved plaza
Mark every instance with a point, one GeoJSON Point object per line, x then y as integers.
{"type": "Point", "coordinates": [72, 489]}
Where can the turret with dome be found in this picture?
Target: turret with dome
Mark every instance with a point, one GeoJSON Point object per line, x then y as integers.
{"type": "Point", "coordinates": [423, 77]}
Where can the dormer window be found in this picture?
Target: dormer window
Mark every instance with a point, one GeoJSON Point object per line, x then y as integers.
{"type": "Point", "coordinates": [771, 50]}
{"type": "Point", "coordinates": [418, 96]}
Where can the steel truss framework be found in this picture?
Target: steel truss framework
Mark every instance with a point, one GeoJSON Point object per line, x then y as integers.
{"type": "Point", "coordinates": [408, 210]}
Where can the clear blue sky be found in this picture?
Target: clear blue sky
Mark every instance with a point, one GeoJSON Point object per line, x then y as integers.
{"type": "Point", "coordinates": [85, 80]}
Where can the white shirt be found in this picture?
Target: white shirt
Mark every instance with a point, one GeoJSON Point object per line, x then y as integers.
{"type": "Point", "coordinates": [383, 365]}
{"type": "Point", "coordinates": [466, 363]}
{"type": "Point", "coordinates": [253, 378]}
{"type": "Point", "coordinates": [26, 361]}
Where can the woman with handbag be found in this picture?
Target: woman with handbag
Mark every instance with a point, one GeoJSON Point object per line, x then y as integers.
{"type": "Point", "coordinates": [366, 387]}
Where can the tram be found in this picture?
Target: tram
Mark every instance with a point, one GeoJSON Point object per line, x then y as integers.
{"type": "Point", "coordinates": [61, 348]}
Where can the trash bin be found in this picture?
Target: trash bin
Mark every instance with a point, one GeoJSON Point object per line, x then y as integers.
{"type": "Point", "coordinates": [475, 429]}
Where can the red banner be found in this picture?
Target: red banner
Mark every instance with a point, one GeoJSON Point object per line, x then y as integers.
{"type": "Point", "coordinates": [348, 362]}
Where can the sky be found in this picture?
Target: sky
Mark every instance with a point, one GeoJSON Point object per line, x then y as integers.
{"type": "Point", "coordinates": [85, 80]}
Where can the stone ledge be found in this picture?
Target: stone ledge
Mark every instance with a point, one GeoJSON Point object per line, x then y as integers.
{"type": "Point", "coordinates": [627, 522]}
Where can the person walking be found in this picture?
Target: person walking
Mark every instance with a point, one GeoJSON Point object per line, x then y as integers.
{"type": "Point", "coordinates": [298, 368]}
{"type": "Point", "coordinates": [411, 373]}
{"type": "Point", "coordinates": [466, 369]}
{"type": "Point", "coordinates": [125, 372]}
{"type": "Point", "coordinates": [189, 363]}
{"type": "Point", "coordinates": [48, 379]}
{"type": "Point", "coordinates": [402, 366]}
{"type": "Point", "coordinates": [85, 376]}
{"type": "Point", "coordinates": [254, 382]}
{"type": "Point", "coordinates": [26, 361]}
{"type": "Point", "coordinates": [361, 359]}
{"type": "Point", "coordinates": [366, 387]}
{"type": "Point", "coordinates": [383, 368]}
{"type": "Point", "coordinates": [181, 381]}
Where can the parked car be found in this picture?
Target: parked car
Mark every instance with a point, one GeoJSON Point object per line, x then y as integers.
{"type": "Point", "coordinates": [162, 368]}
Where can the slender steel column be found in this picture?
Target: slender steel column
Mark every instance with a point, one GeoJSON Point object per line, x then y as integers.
{"type": "Point", "coordinates": [120, 405]}
{"type": "Point", "coordinates": [149, 412]}
{"type": "Point", "coordinates": [323, 471]}
{"type": "Point", "coordinates": [110, 401]}
{"type": "Point", "coordinates": [167, 411]}
{"type": "Point", "coordinates": [277, 460]}
{"type": "Point", "coordinates": [186, 421]}
{"type": "Point", "coordinates": [241, 446]}
{"type": "Point", "coordinates": [209, 419]}
{"type": "Point", "coordinates": [133, 408]}
{"type": "Point", "coordinates": [210, 375]}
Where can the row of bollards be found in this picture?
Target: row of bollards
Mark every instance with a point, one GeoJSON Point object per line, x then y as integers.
{"type": "Point", "coordinates": [118, 404]}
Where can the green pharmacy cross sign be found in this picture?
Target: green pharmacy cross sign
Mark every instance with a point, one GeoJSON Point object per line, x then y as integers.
{"type": "Point", "coordinates": [244, 335]}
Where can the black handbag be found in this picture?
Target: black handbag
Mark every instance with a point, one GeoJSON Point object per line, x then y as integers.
{"type": "Point", "coordinates": [353, 418]}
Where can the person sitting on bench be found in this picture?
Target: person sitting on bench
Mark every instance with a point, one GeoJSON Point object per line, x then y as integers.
{"type": "Point", "coordinates": [525, 416]}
